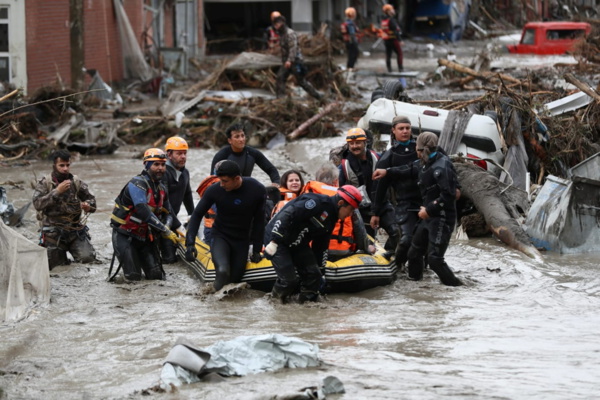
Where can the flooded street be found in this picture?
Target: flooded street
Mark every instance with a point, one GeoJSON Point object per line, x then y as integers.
{"type": "Point", "coordinates": [518, 329]}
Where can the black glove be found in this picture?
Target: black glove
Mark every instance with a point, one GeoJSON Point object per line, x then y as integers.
{"type": "Point", "coordinates": [191, 253]}
{"type": "Point", "coordinates": [255, 257]}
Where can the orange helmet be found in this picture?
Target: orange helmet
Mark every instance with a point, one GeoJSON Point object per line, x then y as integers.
{"type": "Point", "coordinates": [355, 134]}
{"type": "Point", "coordinates": [387, 8]}
{"type": "Point", "coordinates": [350, 12]}
{"type": "Point", "coordinates": [176, 143]}
{"type": "Point", "coordinates": [154, 154]}
{"type": "Point", "coordinates": [351, 195]}
{"type": "Point", "coordinates": [275, 14]}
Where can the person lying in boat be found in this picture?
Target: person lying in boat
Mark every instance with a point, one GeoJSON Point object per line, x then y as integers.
{"type": "Point", "coordinates": [296, 240]}
{"type": "Point", "coordinates": [239, 222]}
{"type": "Point", "coordinates": [349, 235]}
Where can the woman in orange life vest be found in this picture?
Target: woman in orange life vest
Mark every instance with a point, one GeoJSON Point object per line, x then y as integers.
{"type": "Point", "coordinates": [290, 186]}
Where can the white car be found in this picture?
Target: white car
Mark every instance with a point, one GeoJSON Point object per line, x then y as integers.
{"type": "Point", "coordinates": [480, 139]}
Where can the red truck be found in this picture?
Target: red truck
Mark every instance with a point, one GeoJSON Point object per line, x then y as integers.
{"type": "Point", "coordinates": [550, 37]}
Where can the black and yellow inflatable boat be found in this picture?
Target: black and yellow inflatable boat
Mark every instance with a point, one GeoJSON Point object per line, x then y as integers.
{"type": "Point", "coordinates": [348, 275]}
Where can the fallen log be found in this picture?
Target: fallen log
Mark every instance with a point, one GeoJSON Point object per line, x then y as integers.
{"type": "Point", "coordinates": [301, 130]}
{"type": "Point", "coordinates": [499, 205]}
{"type": "Point", "coordinates": [472, 72]}
{"type": "Point", "coordinates": [582, 86]}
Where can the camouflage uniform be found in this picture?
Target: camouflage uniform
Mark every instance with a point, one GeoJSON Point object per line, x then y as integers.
{"type": "Point", "coordinates": [290, 51]}
{"type": "Point", "coordinates": [60, 216]}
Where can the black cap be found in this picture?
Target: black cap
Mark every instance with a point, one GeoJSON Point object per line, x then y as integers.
{"type": "Point", "coordinates": [228, 168]}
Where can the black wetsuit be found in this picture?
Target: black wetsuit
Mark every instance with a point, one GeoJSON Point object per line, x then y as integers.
{"type": "Point", "coordinates": [407, 193]}
{"type": "Point", "coordinates": [361, 174]}
{"type": "Point", "coordinates": [180, 192]}
{"type": "Point", "coordinates": [310, 217]}
{"type": "Point", "coordinates": [246, 159]}
{"type": "Point", "coordinates": [438, 184]}
{"type": "Point", "coordinates": [240, 221]}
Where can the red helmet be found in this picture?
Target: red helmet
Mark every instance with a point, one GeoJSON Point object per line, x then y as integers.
{"type": "Point", "coordinates": [351, 195]}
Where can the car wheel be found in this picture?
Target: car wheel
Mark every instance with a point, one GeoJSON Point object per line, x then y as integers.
{"type": "Point", "coordinates": [377, 94]}
{"type": "Point", "coordinates": [392, 89]}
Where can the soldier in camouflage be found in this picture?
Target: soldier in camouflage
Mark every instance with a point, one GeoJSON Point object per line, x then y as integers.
{"type": "Point", "coordinates": [291, 57]}
{"type": "Point", "coordinates": [59, 199]}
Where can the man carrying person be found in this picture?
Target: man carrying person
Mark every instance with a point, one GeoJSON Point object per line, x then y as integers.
{"type": "Point", "coordinates": [239, 222]}
{"type": "Point", "coordinates": [357, 170]}
{"type": "Point", "coordinates": [177, 181]}
{"type": "Point", "coordinates": [136, 220]}
{"type": "Point", "coordinates": [288, 236]}
{"type": "Point", "coordinates": [291, 58]}
{"type": "Point", "coordinates": [59, 199]}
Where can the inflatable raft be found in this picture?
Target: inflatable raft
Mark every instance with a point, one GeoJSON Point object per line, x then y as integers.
{"type": "Point", "coordinates": [348, 275]}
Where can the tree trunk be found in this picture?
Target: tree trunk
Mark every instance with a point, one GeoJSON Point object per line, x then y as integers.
{"type": "Point", "coordinates": [500, 209]}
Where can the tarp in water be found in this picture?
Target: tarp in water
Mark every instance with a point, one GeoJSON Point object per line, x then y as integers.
{"type": "Point", "coordinates": [24, 274]}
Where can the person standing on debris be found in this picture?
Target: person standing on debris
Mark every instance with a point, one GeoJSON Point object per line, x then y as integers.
{"type": "Point", "coordinates": [350, 36]}
{"type": "Point", "coordinates": [391, 35]}
{"type": "Point", "coordinates": [357, 170]}
{"type": "Point", "coordinates": [272, 37]}
{"type": "Point", "coordinates": [399, 157]}
{"type": "Point", "coordinates": [177, 181]}
{"type": "Point", "coordinates": [59, 199]}
{"type": "Point", "coordinates": [291, 57]}
{"type": "Point", "coordinates": [239, 222]}
{"type": "Point", "coordinates": [142, 211]}
{"type": "Point", "coordinates": [288, 236]}
{"type": "Point", "coordinates": [244, 156]}
{"type": "Point", "coordinates": [437, 216]}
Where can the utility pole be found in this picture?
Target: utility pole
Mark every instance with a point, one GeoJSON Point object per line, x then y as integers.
{"type": "Point", "coordinates": [76, 41]}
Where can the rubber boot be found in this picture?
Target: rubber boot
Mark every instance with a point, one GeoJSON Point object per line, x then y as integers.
{"type": "Point", "coordinates": [446, 275]}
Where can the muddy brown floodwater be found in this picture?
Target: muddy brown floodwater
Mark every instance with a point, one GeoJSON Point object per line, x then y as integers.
{"type": "Point", "coordinates": [518, 329]}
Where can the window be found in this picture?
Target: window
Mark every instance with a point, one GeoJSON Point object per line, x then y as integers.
{"type": "Point", "coordinates": [528, 37]}
{"type": "Point", "coordinates": [4, 54]}
{"type": "Point", "coordinates": [564, 34]}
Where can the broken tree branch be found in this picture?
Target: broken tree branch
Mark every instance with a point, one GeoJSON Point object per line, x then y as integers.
{"type": "Point", "coordinates": [300, 131]}
{"type": "Point", "coordinates": [582, 86]}
{"type": "Point", "coordinates": [472, 72]}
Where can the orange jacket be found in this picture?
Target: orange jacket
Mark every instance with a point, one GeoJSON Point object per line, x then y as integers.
{"type": "Point", "coordinates": [209, 217]}
{"type": "Point", "coordinates": [342, 238]}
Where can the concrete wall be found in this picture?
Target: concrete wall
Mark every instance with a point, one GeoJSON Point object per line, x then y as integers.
{"type": "Point", "coordinates": [17, 42]}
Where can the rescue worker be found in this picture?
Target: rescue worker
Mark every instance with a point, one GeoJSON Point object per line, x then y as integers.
{"type": "Point", "coordinates": [272, 37]}
{"type": "Point", "coordinates": [240, 221]}
{"type": "Point", "coordinates": [401, 155]}
{"type": "Point", "coordinates": [349, 235]}
{"type": "Point", "coordinates": [291, 58]}
{"type": "Point", "coordinates": [308, 218]}
{"type": "Point", "coordinates": [357, 169]}
{"type": "Point", "coordinates": [244, 156]}
{"type": "Point", "coordinates": [350, 36]}
{"type": "Point", "coordinates": [437, 215]}
{"type": "Point", "coordinates": [137, 220]}
{"type": "Point", "coordinates": [391, 35]}
{"type": "Point", "coordinates": [59, 198]}
{"type": "Point", "coordinates": [177, 181]}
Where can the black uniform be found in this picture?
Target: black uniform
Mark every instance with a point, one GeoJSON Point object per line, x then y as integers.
{"type": "Point", "coordinates": [358, 173]}
{"type": "Point", "coordinates": [180, 192]}
{"type": "Point", "coordinates": [246, 161]}
{"type": "Point", "coordinates": [438, 184]}
{"type": "Point", "coordinates": [240, 221]}
{"type": "Point", "coordinates": [408, 196]}
{"type": "Point", "coordinates": [310, 217]}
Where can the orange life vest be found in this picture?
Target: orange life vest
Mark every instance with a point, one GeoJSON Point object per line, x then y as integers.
{"type": "Point", "coordinates": [386, 32]}
{"type": "Point", "coordinates": [286, 196]}
{"type": "Point", "coordinates": [209, 217]}
{"type": "Point", "coordinates": [342, 237]}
